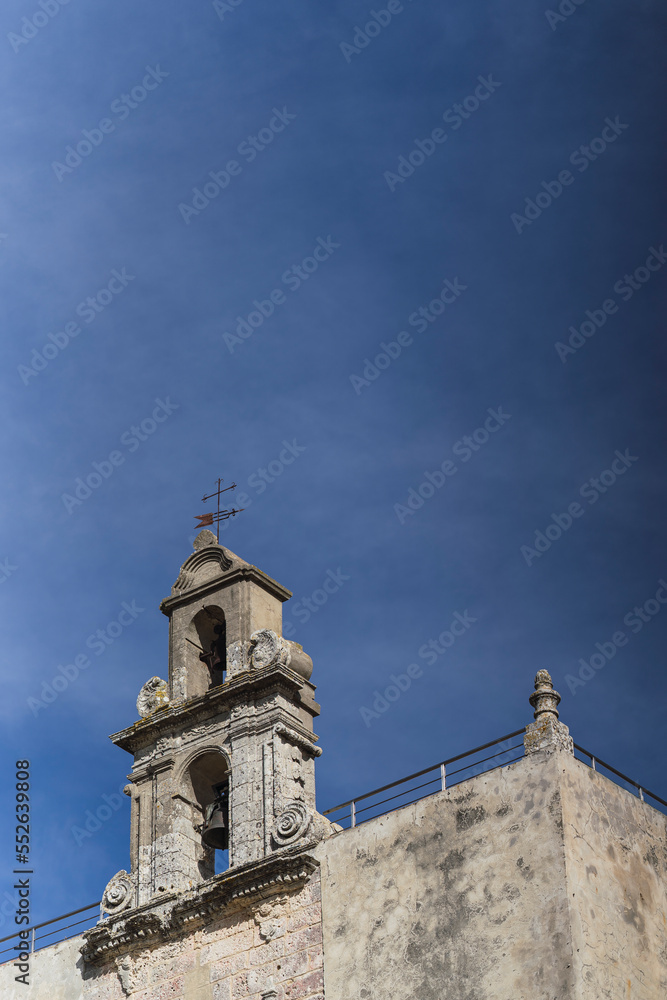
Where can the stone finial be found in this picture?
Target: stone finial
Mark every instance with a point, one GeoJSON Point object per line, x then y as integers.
{"type": "Point", "coordinates": [544, 699]}
{"type": "Point", "coordinates": [204, 538]}
{"type": "Point", "coordinates": [546, 733]}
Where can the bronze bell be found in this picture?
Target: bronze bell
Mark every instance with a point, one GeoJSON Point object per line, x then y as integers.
{"type": "Point", "coordinates": [216, 832]}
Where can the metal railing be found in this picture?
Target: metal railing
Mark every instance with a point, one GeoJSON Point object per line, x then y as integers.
{"type": "Point", "coordinates": [35, 937]}
{"type": "Point", "coordinates": [642, 793]}
{"type": "Point", "coordinates": [442, 778]}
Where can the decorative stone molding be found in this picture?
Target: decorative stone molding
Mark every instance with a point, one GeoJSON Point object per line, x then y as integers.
{"type": "Point", "coordinates": [269, 992]}
{"type": "Point", "coordinates": [183, 715]}
{"type": "Point", "coordinates": [119, 894]}
{"type": "Point", "coordinates": [211, 554]}
{"type": "Point", "coordinates": [546, 733]}
{"type": "Point", "coordinates": [300, 663]}
{"type": "Point", "coordinates": [126, 974]}
{"type": "Point", "coordinates": [204, 538]}
{"type": "Point", "coordinates": [173, 915]}
{"type": "Point", "coordinates": [153, 695]}
{"type": "Point", "coordinates": [269, 649]}
{"type": "Point", "coordinates": [290, 736]}
{"type": "Point", "coordinates": [268, 920]}
{"type": "Point", "coordinates": [292, 824]}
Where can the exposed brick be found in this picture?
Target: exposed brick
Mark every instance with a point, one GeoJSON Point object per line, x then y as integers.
{"type": "Point", "coordinates": [161, 970]}
{"type": "Point", "coordinates": [222, 990]}
{"type": "Point", "coordinates": [294, 965]}
{"type": "Point", "coordinates": [239, 985]}
{"type": "Point", "coordinates": [304, 986]}
{"type": "Point", "coordinates": [268, 952]}
{"type": "Point", "coordinates": [305, 915]}
{"type": "Point", "coordinates": [308, 937]}
{"type": "Point", "coordinates": [228, 966]}
{"type": "Point", "coordinates": [315, 957]}
{"type": "Point", "coordinates": [232, 945]}
{"type": "Point", "coordinates": [171, 990]}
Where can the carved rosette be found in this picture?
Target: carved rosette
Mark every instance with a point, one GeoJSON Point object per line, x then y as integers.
{"type": "Point", "coordinates": [292, 824]}
{"type": "Point", "coordinates": [118, 895]}
{"type": "Point", "coordinates": [269, 649]}
{"type": "Point", "coordinates": [153, 695]}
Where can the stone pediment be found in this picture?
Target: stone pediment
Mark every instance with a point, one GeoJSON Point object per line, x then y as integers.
{"type": "Point", "coordinates": [207, 562]}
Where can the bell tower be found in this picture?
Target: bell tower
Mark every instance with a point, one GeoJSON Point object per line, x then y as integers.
{"type": "Point", "coordinates": [224, 749]}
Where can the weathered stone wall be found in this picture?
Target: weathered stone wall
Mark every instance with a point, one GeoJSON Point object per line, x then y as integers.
{"type": "Point", "coordinates": [542, 880]}
{"type": "Point", "coordinates": [616, 850]}
{"type": "Point", "coordinates": [276, 945]}
{"type": "Point", "coordinates": [458, 897]}
{"type": "Point", "coordinates": [55, 974]}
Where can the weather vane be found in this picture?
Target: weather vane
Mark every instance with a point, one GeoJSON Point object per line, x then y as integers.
{"type": "Point", "coordinates": [219, 515]}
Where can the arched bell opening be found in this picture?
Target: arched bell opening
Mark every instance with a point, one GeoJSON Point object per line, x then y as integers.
{"type": "Point", "coordinates": [206, 653]}
{"type": "Point", "coordinates": [209, 775]}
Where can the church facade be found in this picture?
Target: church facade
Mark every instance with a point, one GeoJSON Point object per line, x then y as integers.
{"type": "Point", "coordinates": [540, 880]}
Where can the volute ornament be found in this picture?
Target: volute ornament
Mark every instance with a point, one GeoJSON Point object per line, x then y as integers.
{"type": "Point", "coordinates": [153, 695]}
{"type": "Point", "coordinates": [118, 895]}
{"type": "Point", "coordinates": [292, 824]}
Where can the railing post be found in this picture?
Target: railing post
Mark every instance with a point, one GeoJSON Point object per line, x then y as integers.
{"type": "Point", "coordinates": [641, 794]}
{"type": "Point", "coordinates": [592, 762]}
{"type": "Point", "coordinates": [353, 815]}
{"type": "Point", "coordinates": [443, 776]}
{"type": "Point", "coordinates": [32, 941]}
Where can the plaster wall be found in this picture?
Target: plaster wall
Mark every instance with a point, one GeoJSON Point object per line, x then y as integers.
{"type": "Point", "coordinates": [616, 863]}
{"type": "Point", "coordinates": [55, 974]}
{"type": "Point", "coordinates": [458, 897]}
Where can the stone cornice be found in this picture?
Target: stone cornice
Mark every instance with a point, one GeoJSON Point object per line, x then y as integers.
{"type": "Point", "coordinates": [302, 740]}
{"type": "Point", "coordinates": [146, 731]}
{"type": "Point", "coordinates": [240, 573]}
{"type": "Point", "coordinates": [169, 917]}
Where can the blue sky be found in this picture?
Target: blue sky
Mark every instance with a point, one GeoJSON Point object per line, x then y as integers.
{"type": "Point", "coordinates": [534, 200]}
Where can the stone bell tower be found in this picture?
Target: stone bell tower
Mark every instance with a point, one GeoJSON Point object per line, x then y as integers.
{"type": "Point", "coordinates": [235, 716]}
